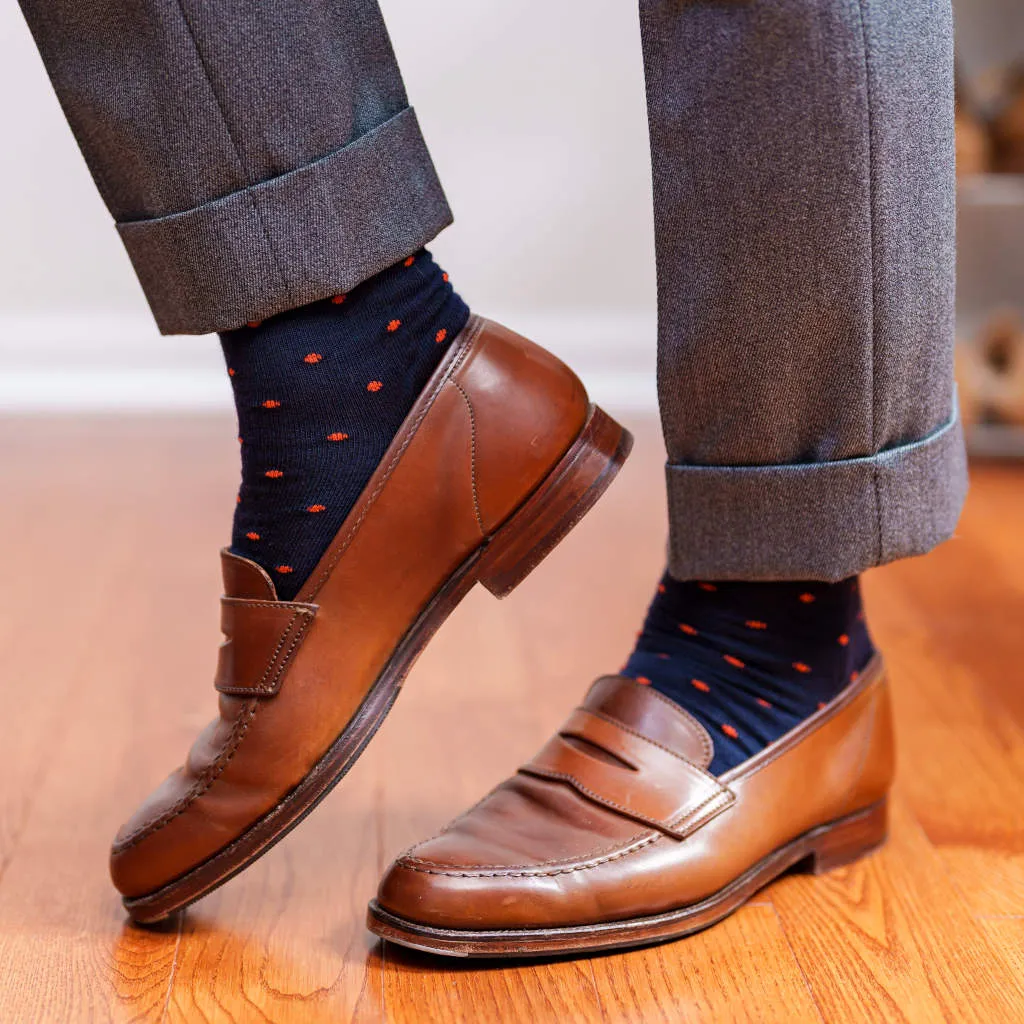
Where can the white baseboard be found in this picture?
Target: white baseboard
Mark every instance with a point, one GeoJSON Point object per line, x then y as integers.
{"type": "Point", "coordinates": [118, 363]}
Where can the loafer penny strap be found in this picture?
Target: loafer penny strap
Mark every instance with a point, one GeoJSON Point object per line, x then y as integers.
{"type": "Point", "coordinates": [630, 774]}
{"type": "Point", "coordinates": [261, 639]}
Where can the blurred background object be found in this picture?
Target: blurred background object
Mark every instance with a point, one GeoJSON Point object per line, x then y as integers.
{"type": "Point", "coordinates": [1008, 128]}
{"type": "Point", "coordinates": [990, 170]}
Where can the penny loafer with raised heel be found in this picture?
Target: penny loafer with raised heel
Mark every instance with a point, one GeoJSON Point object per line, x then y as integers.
{"type": "Point", "coordinates": [500, 457]}
{"type": "Point", "coordinates": [615, 834]}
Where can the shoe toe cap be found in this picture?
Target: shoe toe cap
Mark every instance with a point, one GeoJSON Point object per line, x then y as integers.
{"type": "Point", "coordinates": [143, 855]}
{"type": "Point", "coordinates": [420, 889]}
{"type": "Point", "coordinates": [522, 858]}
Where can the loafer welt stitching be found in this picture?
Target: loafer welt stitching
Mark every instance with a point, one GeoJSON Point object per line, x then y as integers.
{"type": "Point", "coordinates": [201, 785]}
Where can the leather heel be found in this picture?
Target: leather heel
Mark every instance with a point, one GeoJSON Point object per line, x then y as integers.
{"type": "Point", "coordinates": [581, 476]}
{"type": "Point", "coordinates": [851, 838]}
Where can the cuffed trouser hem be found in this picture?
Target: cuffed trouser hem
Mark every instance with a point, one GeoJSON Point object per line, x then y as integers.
{"type": "Point", "coordinates": [305, 235]}
{"type": "Point", "coordinates": [821, 521]}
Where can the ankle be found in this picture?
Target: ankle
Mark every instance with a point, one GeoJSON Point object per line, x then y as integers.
{"type": "Point", "coordinates": [751, 660]}
{"type": "Point", "coordinates": [321, 392]}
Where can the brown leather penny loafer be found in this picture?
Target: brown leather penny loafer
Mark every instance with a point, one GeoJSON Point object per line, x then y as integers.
{"type": "Point", "coordinates": [615, 835]}
{"type": "Point", "coordinates": [499, 458]}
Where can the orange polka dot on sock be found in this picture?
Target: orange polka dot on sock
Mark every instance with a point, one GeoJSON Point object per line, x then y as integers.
{"type": "Point", "coordinates": [444, 277]}
{"type": "Point", "coordinates": [271, 403]}
{"type": "Point", "coordinates": [231, 371]}
{"type": "Point", "coordinates": [338, 299]}
{"type": "Point", "coordinates": [284, 568]}
{"type": "Point", "coordinates": [410, 260]}
{"type": "Point", "coordinates": [253, 535]}
{"type": "Point", "coordinates": [273, 473]}
{"type": "Point", "coordinates": [776, 654]}
{"type": "Point", "coordinates": [643, 680]}
{"type": "Point", "coordinates": [393, 325]}
{"type": "Point", "coordinates": [316, 508]}
{"type": "Point", "coordinates": [313, 357]}
{"type": "Point", "coordinates": [337, 436]}
{"type": "Point", "coordinates": [254, 323]}
{"type": "Point", "coordinates": [374, 385]}
{"type": "Point", "coordinates": [440, 336]}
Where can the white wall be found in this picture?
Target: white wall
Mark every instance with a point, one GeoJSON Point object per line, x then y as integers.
{"type": "Point", "coordinates": [535, 116]}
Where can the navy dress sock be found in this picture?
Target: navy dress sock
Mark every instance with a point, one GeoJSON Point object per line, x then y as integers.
{"type": "Point", "coordinates": [751, 660]}
{"type": "Point", "coordinates": [321, 392]}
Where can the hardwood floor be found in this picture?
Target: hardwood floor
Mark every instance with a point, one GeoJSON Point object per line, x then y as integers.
{"type": "Point", "coordinates": [108, 624]}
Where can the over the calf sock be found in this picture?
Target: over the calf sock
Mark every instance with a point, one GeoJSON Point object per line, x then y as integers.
{"type": "Point", "coordinates": [751, 660]}
{"type": "Point", "coordinates": [321, 392]}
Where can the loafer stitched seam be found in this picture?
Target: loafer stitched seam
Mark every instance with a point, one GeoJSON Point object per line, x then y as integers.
{"type": "Point", "coordinates": [245, 718]}
{"type": "Point", "coordinates": [639, 735]}
{"type": "Point", "coordinates": [641, 839]}
{"type": "Point", "coordinates": [449, 376]}
{"type": "Point", "coordinates": [517, 871]}
{"type": "Point", "coordinates": [706, 743]}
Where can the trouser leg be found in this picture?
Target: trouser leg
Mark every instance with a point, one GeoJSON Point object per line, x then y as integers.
{"type": "Point", "coordinates": [804, 210]}
{"type": "Point", "coordinates": [256, 157]}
